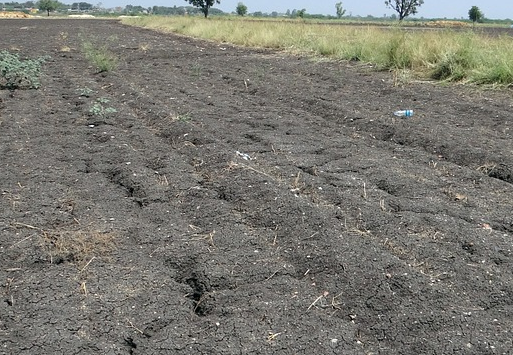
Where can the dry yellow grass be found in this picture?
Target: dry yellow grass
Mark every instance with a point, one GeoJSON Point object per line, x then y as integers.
{"type": "Point", "coordinates": [76, 245]}
{"type": "Point", "coordinates": [13, 14]}
{"type": "Point", "coordinates": [448, 24]}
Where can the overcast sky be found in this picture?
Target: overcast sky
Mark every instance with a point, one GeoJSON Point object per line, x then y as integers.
{"type": "Point", "coordinates": [494, 9]}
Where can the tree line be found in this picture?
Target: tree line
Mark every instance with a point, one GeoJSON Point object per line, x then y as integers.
{"type": "Point", "coordinates": [403, 8]}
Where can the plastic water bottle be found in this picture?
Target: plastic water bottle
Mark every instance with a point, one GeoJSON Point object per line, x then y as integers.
{"type": "Point", "coordinates": [404, 113]}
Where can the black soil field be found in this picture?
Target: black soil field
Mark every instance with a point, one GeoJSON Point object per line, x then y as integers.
{"type": "Point", "coordinates": [203, 198]}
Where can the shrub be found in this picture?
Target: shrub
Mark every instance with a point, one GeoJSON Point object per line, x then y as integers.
{"type": "Point", "coordinates": [16, 73]}
{"type": "Point", "coordinates": [457, 63]}
{"type": "Point", "coordinates": [398, 55]}
{"type": "Point", "coordinates": [499, 74]}
{"type": "Point", "coordinates": [100, 56]}
{"type": "Point", "coordinates": [453, 66]}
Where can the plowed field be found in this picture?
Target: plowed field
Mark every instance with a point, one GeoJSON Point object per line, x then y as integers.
{"type": "Point", "coordinates": [245, 201]}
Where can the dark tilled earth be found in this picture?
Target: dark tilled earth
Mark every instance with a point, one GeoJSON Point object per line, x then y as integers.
{"type": "Point", "coordinates": [247, 202]}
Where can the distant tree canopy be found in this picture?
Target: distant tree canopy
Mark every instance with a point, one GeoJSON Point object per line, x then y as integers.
{"type": "Point", "coordinates": [165, 10]}
{"type": "Point", "coordinates": [340, 10]}
{"type": "Point", "coordinates": [81, 6]}
{"type": "Point", "coordinates": [134, 9]}
{"type": "Point", "coordinates": [293, 14]}
{"type": "Point", "coordinates": [404, 8]}
{"type": "Point", "coordinates": [475, 14]}
{"type": "Point", "coordinates": [13, 5]}
{"type": "Point", "coordinates": [48, 5]}
{"type": "Point", "coordinates": [241, 9]}
{"type": "Point", "coordinates": [203, 5]}
{"type": "Point", "coordinates": [181, 10]}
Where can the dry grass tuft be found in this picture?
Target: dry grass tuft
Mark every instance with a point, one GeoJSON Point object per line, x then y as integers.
{"type": "Point", "coordinates": [144, 47]}
{"type": "Point", "coordinates": [486, 168]}
{"type": "Point", "coordinates": [76, 243]}
{"type": "Point", "coordinates": [77, 246]}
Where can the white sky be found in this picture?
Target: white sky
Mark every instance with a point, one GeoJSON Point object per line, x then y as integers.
{"type": "Point", "coordinates": [494, 9]}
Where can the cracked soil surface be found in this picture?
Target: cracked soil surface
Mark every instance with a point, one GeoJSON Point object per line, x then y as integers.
{"type": "Point", "coordinates": [246, 201]}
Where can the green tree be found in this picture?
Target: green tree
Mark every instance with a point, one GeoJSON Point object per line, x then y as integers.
{"type": "Point", "coordinates": [241, 9]}
{"type": "Point", "coordinates": [475, 14]}
{"type": "Point", "coordinates": [404, 8]}
{"type": "Point", "coordinates": [203, 5]}
{"type": "Point", "coordinates": [340, 10]}
{"type": "Point", "coordinates": [301, 13]}
{"type": "Point", "coordinates": [82, 6]}
{"type": "Point", "coordinates": [131, 9]}
{"type": "Point", "coordinates": [48, 5]}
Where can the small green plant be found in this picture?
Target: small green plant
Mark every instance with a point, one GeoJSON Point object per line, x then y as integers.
{"type": "Point", "coordinates": [183, 117]}
{"type": "Point", "coordinates": [100, 56]}
{"type": "Point", "coordinates": [16, 73]}
{"type": "Point", "coordinates": [196, 70]}
{"type": "Point", "coordinates": [85, 92]}
{"type": "Point", "coordinates": [100, 109]}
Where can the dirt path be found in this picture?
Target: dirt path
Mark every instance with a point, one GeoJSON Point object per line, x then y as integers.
{"type": "Point", "coordinates": [247, 202]}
